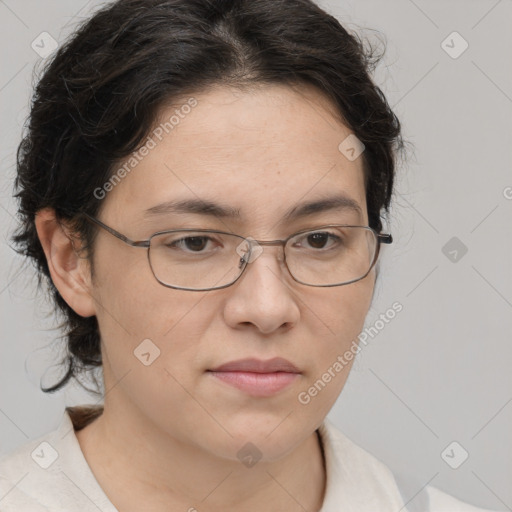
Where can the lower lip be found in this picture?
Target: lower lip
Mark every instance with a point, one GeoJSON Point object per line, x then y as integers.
{"type": "Point", "coordinates": [257, 384]}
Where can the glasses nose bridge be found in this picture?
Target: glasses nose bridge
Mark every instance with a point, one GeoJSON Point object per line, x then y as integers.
{"type": "Point", "coordinates": [282, 243]}
{"type": "Point", "coordinates": [255, 244]}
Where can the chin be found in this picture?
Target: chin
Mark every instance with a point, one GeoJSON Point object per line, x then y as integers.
{"type": "Point", "coordinates": [268, 439]}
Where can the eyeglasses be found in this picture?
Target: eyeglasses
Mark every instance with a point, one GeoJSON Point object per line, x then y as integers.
{"type": "Point", "coordinates": [206, 259]}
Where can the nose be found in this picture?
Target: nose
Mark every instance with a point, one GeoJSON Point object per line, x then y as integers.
{"type": "Point", "coordinates": [263, 298]}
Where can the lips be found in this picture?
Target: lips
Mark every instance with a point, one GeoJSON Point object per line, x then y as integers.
{"type": "Point", "coordinates": [278, 364]}
{"type": "Point", "coordinates": [256, 377]}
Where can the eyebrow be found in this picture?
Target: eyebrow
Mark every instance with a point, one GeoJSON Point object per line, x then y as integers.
{"type": "Point", "coordinates": [205, 207]}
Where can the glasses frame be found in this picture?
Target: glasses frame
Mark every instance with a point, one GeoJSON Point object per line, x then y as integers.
{"type": "Point", "coordinates": [381, 238]}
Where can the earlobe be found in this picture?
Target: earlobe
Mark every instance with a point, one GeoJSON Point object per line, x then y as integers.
{"type": "Point", "coordinates": [69, 272]}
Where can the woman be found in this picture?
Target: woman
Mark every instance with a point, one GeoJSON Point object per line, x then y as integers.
{"type": "Point", "coordinates": [202, 183]}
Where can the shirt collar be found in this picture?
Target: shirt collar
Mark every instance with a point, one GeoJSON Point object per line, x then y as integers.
{"type": "Point", "coordinates": [355, 480]}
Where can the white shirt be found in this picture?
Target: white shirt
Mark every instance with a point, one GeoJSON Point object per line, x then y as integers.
{"type": "Point", "coordinates": [51, 474]}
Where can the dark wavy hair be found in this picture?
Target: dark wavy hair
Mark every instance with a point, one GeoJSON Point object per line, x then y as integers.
{"type": "Point", "coordinates": [102, 91]}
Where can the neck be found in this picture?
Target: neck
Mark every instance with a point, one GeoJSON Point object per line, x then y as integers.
{"type": "Point", "coordinates": [135, 463]}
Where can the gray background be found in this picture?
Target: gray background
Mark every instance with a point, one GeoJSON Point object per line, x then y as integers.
{"type": "Point", "coordinates": [440, 370]}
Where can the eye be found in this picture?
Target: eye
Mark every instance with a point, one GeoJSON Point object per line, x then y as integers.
{"type": "Point", "coordinates": [318, 240]}
{"type": "Point", "coordinates": [190, 243]}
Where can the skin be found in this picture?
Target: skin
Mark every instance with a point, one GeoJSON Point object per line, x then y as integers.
{"type": "Point", "coordinates": [262, 150]}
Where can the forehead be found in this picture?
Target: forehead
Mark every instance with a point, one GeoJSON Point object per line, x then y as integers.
{"type": "Point", "coordinates": [260, 151]}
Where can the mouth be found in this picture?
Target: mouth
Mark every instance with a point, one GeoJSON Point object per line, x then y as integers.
{"type": "Point", "coordinates": [256, 377]}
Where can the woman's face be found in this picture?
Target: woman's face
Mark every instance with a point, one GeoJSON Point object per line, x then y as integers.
{"type": "Point", "coordinates": [261, 152]}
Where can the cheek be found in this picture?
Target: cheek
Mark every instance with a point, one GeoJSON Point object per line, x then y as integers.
{"type": "Point", "coordinates": [129, 297]}
{"type": "Point", "coordinates": [132, 307]}
{"type": "Point", "coordinates": [340, 312]}
{"type": "Point", "coordinates": [336, 320]}
{"type": "Point", "coordinates": [151, 344]}
{"type": "Point", "coordinates": [354, 304]}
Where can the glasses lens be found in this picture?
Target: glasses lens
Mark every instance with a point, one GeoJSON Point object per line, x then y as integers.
{"type": "Point", "coordinates": [202, 260]}
{"type": "Point", "coordinates": [195, 260]}
{"type": "Point", "coordinates": [330, 256]}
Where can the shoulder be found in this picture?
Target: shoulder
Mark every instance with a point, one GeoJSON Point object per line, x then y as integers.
{"type": "Point", "coordinates": [351, 470]}
{"type": "Point", "coordinates": [50, 473]}
{"type": "Point", "coordinates": [21, 476]}
{"type": "Point", "coordinates": [355, 478]}
{"type": "Point", "coordinates": [440, 501]}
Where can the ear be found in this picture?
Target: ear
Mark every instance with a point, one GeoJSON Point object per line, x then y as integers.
{"type": "Point", "coordinates": [70, 273]}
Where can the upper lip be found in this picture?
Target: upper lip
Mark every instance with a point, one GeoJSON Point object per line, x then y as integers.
{"type": "Point", "coordinates": [277, 364]}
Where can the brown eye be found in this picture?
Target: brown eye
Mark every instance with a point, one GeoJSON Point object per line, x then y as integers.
{"type": "Point", "coordinates": [192, 244]}
{"type": "Point", "coordinates": [318, 240]}
{"type": "Point", "coordinates": [195, 243]}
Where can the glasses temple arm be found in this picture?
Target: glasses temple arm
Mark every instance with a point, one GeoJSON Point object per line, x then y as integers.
{"type": "Point", "coordinates": [385, 238]}
{"type": "Point", "coordinates": [133, 243]}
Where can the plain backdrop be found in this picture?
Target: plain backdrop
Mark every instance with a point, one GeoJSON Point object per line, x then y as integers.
{"type": "Point", "coordinates": [439, 372]}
